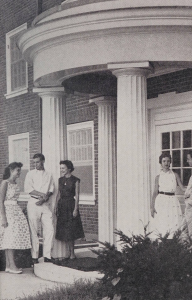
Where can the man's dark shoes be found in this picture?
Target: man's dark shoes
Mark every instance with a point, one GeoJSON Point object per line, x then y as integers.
{"type": "Point", "coordinates": [34, 261]}
{"type": "Point", "coordinates": [49, 260]}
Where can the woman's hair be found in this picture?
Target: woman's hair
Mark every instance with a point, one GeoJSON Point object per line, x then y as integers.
{"type": "Point", "coordinates": [163, 155]}
{"type": "Point", "coordinates": [68, 163]}
{"type": "Point", "coordinates": [11, 167]}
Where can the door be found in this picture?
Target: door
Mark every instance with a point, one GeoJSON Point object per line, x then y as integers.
{"type": "Point", "coordinates": [176, 139]}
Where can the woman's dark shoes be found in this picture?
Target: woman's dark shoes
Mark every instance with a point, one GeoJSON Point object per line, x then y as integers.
{"type": "Point", "coordinates": [65, 261]}
{"type": "Point", "coordinates": [49, 260]}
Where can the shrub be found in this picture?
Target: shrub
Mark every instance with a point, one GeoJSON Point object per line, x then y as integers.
{"type": "Point", "coordinates": [80, 290]}
{"type": "Point", "coordinates": [146, 269]}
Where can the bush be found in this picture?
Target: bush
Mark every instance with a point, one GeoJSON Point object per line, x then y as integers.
{"type": "Point", "coordinates": [146, 269]}
{"type": "Point", "coordinates": [80, 290]}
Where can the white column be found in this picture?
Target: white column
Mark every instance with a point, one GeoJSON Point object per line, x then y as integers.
{"type": "Point", "coordinates": [54, 132]}
{"type": "Point", "coordinates": [54, 144]}
{"type": "Point", "coordinates": [106, 167]}
{"type": "Point", "coordinates": [132, 150]}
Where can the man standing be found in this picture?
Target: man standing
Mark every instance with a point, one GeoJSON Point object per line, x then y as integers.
{"type": "Point", "coordinates": [39, 184]}
{"type": "Point", "coordinates": [186, 227]}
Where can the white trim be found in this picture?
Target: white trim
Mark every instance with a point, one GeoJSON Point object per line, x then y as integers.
{"type": "Point", "coordinates": [16, 93]}
{"type": "Point", "coordinates": [21, 90]}
{"type": "Point", "coordinates": [23, 196]}
{"type": "Point", "coordinates": [87, 199]}
{"type": "Point", "coordinates": [169, 99]}
{"type": "Point", "coordinates": [15, 137]}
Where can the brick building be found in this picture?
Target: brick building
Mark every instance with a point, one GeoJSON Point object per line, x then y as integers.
{"type": "Point", "coordinates": [106, 84]}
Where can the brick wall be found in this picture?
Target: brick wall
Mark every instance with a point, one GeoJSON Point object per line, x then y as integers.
{"type": "Point", "coordinates": [22, 113]}
{"type": "Point", "coordinates": [179, 82]}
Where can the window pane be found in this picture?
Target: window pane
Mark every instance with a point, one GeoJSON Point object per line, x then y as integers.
{"type": "Point", "coordinates": [186, 176]}
{"type": "Point", "coordinates": [18, 65]}
{"type": "Point", "coordinates": [185, 164]}
{"type": "Point", "coordinates": [85, 173]}
{"type": "Point", "coordinates": [84, 140]}
{"type": "Point", "coordinates": [187, 138]}
{"type": "Point", "coordinates": [89, 136]}
{"type": "Point", "coordinates": [176, 160]}
{"type": "Point", "coordinates": [176, 139]}
{"type": "Point", "coordinates": [166, 140]}
{"type": "Point", "coordinates": [178, 171]}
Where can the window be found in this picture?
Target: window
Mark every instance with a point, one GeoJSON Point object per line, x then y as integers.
{"type": "Point", "coordinates": [81, 153]}
{"type": "Point", "coordinates": [16, 66]}
{"type": "Point", "coordinates": [177, 143]}
{"type": "Point", "coordinates": [19, 152]}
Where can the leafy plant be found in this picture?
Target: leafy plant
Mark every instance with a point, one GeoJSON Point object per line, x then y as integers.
{"type": "Point", "coordinates": [146, 269]}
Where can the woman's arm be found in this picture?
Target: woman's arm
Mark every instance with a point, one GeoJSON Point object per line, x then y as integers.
{"type": "Point", "coordinates": [155, 193]}
{"type": "Point", "coordinates": [3, 190]}
{"type": "Point", "coordinates": [179, 182]}
{"type": "Point", "coordinates": [56, 202]}
{"type": "Point", "coordinates": [77, 190]}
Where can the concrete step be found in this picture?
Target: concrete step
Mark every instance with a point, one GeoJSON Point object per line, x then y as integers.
{"type": "Point", "coordinates": [52, 272]}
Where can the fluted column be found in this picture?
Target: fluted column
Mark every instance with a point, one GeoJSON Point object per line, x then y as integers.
{"type": "Point", "coordinates": [132, 150]}
{"type": "Point", "coordinates": [106, 167]}
{"type": "Point", "coordinates": [54, 132]}
{"type": "Point", "coordinates": [54, 143]}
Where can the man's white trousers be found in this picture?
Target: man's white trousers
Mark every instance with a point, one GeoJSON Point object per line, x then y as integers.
{"type": "Point", "coordinates": [41, 214]}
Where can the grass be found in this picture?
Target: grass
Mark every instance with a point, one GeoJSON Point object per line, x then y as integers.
{"type": "Point", "coordinates": [80, 290]}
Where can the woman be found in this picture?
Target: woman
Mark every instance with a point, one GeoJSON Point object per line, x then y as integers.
{"type": "Point", "coordinates": [14, 230]}
{"type": "Point", "coordinates": [165, 207]}
{"type": "Point", "coordinates": [69, 226]}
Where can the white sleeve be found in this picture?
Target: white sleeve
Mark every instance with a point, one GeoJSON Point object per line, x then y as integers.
{"type": "Point", "coordinates": [28, 185]}
{"type": "Point", "coordinates": [51, 185]}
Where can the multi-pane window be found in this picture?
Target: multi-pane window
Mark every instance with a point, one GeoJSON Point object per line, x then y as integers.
{"type": "Point", "coordinates": [178, 143]}
{"type": "Point", "coordinates": [81, 153]}
{"type": "Point", "coordinates": [19, 152]}
{"type": "Point", "coordinates": [16, 66]}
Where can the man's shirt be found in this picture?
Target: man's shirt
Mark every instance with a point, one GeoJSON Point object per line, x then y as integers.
{"type": "Point", "coordinates": [40, 181]}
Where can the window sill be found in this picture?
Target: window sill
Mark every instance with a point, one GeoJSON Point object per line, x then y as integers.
{"type": "Point", "coordinates": [16, 93]}
{"type": "Point", "coordinates": [86, 199]}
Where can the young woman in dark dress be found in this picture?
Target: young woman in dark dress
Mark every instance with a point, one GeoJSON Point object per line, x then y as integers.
{"type": "Point", "coordinates": [69, 225]}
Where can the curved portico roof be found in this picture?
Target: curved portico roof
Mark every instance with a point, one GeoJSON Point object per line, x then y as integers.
{"type": "Point", "coordinates": [83, 37]}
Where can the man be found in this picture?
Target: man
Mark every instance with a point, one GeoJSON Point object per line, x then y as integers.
{"type": "Point", "coordinates": [39, 184]}
{"type": "Point", "coordinates": [186, 227]}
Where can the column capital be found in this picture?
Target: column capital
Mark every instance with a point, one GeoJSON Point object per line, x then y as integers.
{"type": "Point", "coordinates": [131, 68]}
{"type": "Point", "coordinates": [50, 91]}
{"type": "Point", "coordinates": [104, 100]}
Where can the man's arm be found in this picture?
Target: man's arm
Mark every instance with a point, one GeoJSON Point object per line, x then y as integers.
{"type": "Point", "coordinates": [45, 197]}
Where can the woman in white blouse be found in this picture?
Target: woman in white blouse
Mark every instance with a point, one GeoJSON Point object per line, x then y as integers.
{"type": "Point", "coordinates": [165, 207]}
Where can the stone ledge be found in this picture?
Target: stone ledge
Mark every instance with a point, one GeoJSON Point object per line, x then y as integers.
{"type": "Point", "coordinates": [51, 272]}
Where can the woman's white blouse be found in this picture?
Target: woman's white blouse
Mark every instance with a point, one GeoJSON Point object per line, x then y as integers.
{"type": "Point", "coordinates": [167, 182]}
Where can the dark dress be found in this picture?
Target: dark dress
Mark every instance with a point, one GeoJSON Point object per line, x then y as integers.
{"type": "Point", "coordinates": [68, 228]}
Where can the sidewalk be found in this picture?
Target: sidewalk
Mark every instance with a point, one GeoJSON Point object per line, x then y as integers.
{"type": "Point", "coordinates": [14, 286]}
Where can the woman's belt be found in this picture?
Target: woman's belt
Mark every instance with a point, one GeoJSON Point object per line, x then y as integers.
{"type": "Point", "coordinates": [166, 193]}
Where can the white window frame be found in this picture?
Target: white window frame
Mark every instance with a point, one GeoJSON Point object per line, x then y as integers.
{"type": "Point", "coordinates": [22, 90]}
{"type": "Point", "coordinates": [84, 198]}
{"type": "Point", "coordinates": [23, 196]}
